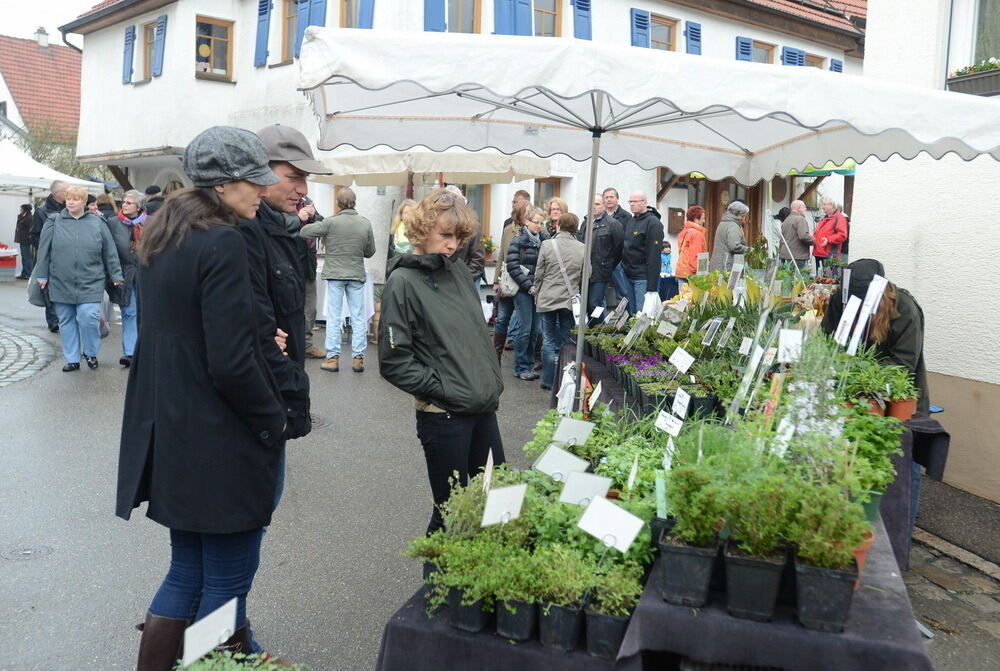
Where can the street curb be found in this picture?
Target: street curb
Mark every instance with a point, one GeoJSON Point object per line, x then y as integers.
{"type": "Point", "coordinates": [957, 553]}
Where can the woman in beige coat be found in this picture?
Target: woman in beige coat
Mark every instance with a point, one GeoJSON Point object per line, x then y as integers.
{"type": "Point", "coordinates": [558, 277]}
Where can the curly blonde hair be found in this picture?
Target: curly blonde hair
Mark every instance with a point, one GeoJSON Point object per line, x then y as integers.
{"type": "Point", "coordinates": [440, 206]}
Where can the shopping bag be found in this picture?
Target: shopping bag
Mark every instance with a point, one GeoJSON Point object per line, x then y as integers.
{"type": "Point", "coordinates": [105, 317]}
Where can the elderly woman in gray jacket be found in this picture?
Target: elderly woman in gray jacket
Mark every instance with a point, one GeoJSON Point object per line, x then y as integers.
{"type": "Point", "coordinates": [729, 237]}
{"type": "Point", "coordinates": [76, 257]}
{"type": "Point", "coordinates": [558, 278]}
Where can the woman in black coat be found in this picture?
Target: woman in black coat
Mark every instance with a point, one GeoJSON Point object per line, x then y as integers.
{"type": "Point", "coordinates": [203, 418]}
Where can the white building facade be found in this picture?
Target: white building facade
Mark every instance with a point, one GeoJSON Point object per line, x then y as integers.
{"type": "Point", "coordinates": [931, 224]}
{"type": "Point", "coordinates": [191, 64]}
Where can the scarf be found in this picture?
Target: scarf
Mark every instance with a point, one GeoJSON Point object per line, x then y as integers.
{"type": "Point", "coordinates": [536, 237]}
{"type": "Point", "coordinates": [136, 226]}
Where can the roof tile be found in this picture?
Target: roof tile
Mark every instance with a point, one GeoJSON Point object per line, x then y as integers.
{"type": "Point", "coordinates": [815, 11]}
{"type": "Point", "coordinates": [45, 84]}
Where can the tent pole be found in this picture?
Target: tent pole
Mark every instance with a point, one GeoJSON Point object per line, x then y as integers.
{"type": "Point", "coordinates": [581, 331]}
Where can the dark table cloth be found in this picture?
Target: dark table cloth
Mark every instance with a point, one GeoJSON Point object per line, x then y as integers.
{"type": "Point", "coordinates": [880, 634]}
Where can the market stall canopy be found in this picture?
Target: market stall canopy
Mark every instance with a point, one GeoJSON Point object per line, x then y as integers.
{"type": "Point", "coordinates": [19, 173]}
{"type": "Point", "coordinates": [829, 168]}
{"type": "Point", "coordinates": [748, 121]}
{"type": "Point", "coordinates": [458, 167]}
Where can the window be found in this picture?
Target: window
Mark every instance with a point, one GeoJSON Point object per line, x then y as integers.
{"type": "Point", "coordinates": [349, 13]}
{"type": "Point", "coordinates": [289, 19]}
{"type": "Point", "coordinates": [464, 16]}
{"type": "Point", "coordinates": [988, 31]}
{"type": "Point", "coordinates": [662, 33]}
{"type": "Point", "coordinates": [546, 188]}
{"type": "Point", "coordinates": [213, 48]}
{"type": "Point", "coordinates": [478, 196]}
{"type": "Point", "coordinates": [148, 40]}
{"type": "Point", "coordinates": [3, 108]}
{"type": "Point", "coordinates": [548, 18]}
{"type": "Point", "coordinates": [762, 52]}
{"type": "Point", "coordinates": [815, 61]}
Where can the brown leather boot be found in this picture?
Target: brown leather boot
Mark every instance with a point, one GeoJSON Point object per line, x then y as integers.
{"type": "Point", "coordinates": [498, 342]}
{"type": "Point", "coordinates": [160, 647]}
{"type": "Point", "coordinates": [358, 364]}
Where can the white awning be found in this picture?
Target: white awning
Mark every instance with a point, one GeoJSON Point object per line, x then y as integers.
{"type": "Point", "coordinates": [20, 173]}
{"type": "Point", "coordinates": [394, 168]}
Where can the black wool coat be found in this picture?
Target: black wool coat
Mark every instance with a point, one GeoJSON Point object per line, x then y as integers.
{"type": "Point", "coordinates": [202, 430]}
{"type": "Point", "coordinates": [522, 257]}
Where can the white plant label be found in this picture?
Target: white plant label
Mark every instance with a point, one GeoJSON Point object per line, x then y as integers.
{"type": "Point", "coordinates": [843, 331]}
{"type": "Point", "coordinates": [734, 276]}
{"type": "Point", "coordinates": [745, 346]}
{"type": "Point", "coordinates": [575, 304]}
{"type": "Point", "coordinates": [739, 258]}
{"type": "Point", "coordinates": [845, 284]}
{"type": "Point", "coordinates": [681, 359]}
{"type": "Point", "coordinates": [565, 398]}
{"type": "Point", "coordinates": [572, 431]}
{"type": "Point", "coordinates": [727, 333]}
{"type": "Point", "coordinates": [668, 423]}
{"type": "Point", "coordinates": [488, 472]}
{"type": "Point", "coordinates": [702, 264]}
{"type": "Point", "coordinates": [598, 311]}
{"type": "Point", "coordinates": [613, 526]}
{"type": "Point", "coordinates": [770, 272]}
{"type": "Point", "coordinates": [769, 356]}
{"type": "Point", "coordinates": [668, 454]}
{"type": "Point", "coordinates": [868, 307]}
{"type": "Point", "coordinates": [713, 329]}
{"type": "Point", "coordinates": [642, 322]}
{"type": "Point", "coordinates": [582, 488]}
{"type": "Point", "coordinates": [682, 305]}
{"type": "Point", "coordinates": [666, 329]}
{"type": "Point", "coordinates": [681, 401]}
{"type": "Point", "coordinates": [632, 473]}
{"type": "Point", "coordinates": [558, 463]}
{"type": "Point", "coordinates": [789, 345]}
{"type": "Point", "coordinates": [210, 631]}
{"type": "Point", "coordinates": [786, 429]}
{"type": "Point", "coordinates": [596, 394]}
{"type": "Point", "coordinates": [503, 504]}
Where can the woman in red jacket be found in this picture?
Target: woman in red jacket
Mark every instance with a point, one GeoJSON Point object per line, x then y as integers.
{"type": "Point", "coordinates": [690, 243]}
{"type": "Point", "coordinates": [831, 233]}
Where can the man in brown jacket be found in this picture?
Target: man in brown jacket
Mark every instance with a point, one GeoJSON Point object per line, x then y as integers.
{"type": "Point", "coordinates": [795, 236]}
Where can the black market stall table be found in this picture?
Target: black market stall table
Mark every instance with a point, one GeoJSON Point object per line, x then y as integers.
{"type": "Point", "coordinates": [880, 633]}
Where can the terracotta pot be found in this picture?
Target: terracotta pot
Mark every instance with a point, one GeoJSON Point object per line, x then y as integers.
{"type": "Point", "coordinates": [873, 406]}
{"type": "Point", "coordinates": [902, 410]}
{"type": "Point", "coordinates": [860, 554]}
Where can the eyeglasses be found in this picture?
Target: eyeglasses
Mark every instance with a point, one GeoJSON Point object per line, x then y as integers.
{"type": "Point", "coordinates": [637, 201]}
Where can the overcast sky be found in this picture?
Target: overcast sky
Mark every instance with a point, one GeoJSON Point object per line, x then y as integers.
{"type": "Point", "coordinates": [22, 17]}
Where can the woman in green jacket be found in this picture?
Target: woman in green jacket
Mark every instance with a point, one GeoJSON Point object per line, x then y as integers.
{"type": "Point", "coordinates": [435, 345]}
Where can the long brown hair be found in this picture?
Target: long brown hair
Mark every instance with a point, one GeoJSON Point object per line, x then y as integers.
{"type": "Point", "coordinates": [878, 330]}
{"type": "Point", "coordinates": [192, 208]}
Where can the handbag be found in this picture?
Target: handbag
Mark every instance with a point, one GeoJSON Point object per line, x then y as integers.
{"type": "Point", "coordinates": [38, 296]}
{"type": "Point", "coordinates": [508, 287]}
{"type": "Point", "coordinates": [574, 297]}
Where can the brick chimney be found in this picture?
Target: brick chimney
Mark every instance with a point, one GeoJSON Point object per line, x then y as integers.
{"type": "Point", "coordinates": [42, 38]}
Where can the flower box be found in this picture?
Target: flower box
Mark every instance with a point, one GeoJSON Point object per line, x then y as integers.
{"type": "Point", "coordinates": [978, 83]}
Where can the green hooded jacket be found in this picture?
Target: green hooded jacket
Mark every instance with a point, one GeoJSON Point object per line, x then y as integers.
{"type": "Point", "coordinates": [433, 340]}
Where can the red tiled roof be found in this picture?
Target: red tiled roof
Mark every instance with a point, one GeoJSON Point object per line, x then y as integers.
{"type": "Point", "coordinates": [816, 11]}
{"type": "Point", "coordinates": [99, 6]}
{"type": "Point", "coordinates": [852, 8]}
{"type": "Point", "coordinates": [45, 84]}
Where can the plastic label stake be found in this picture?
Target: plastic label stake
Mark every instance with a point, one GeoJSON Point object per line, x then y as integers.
{"type": "Point", "coordinates": [843, 331]}
{"type": "Point", "coordinates": [613, 526]}
{"type": "Point", "coordinates": [210, 631]}
{"type": "Point", "coordinates": [582, 488]}
{"type": "Point", "coordinates": [503, 504]}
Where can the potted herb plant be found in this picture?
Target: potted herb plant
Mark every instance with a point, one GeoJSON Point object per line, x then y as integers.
{"type": "Point", "coordinates": [902, 394]}
{"type": "Point", "coordinates": [564, 575]}
{"type": "Point", "coordinates": [516, 589]}
{"type": "Point", "coordinates": [614, 595]}
{"type": "Point", "coordinates": [876, 440]}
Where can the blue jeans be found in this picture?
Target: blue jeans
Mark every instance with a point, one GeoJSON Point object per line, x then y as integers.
{"type": "Point", "coordinates": [637, 293]}
{"type": "Point", "coordinates": [335, 290]}
{"type": "Point", "coordinates": [27, 259]}
{"type": "Point", "coordinates": [78, 322]}
{"type": "Point", "coordinates": [524, 346]}
{"type": "Point", "coordinates": [597, 294]}
{"type": "Point", "coordinates": [667, 288]}
{"type": "Point", "coordinates": [130, 323]}
{"type": "Point", "coordinates": [622, 285]}
{"type": "Point", "coordinates": [206, 571]}
{"type": "Point", "coordinates": [506, 323]}
{"type": "Point", "coordinates": [556, 326]}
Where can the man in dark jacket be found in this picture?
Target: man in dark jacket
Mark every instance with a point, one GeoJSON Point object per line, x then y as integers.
{"type": "Point", "coordinates": [605, 252]}
{"type": "Point", "coordinates": [641, 251]}
{"type": "Point", "coordinates": [22, 233]}
{"type": "Point", "coordinates": [154, 199]}
{"type": "Point", "coordinates": [53, 204]}
{"type": "Point", "coordinates": [276, 269]}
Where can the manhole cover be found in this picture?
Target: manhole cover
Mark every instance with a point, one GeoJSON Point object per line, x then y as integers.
{"type": "Point", "coordinates": [318, 421]}
{"type": "Point", "coordinates": [26, 552]}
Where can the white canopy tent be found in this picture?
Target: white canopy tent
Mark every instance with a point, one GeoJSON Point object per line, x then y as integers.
{"type": "Point", "coordinates": [748, 121]}
{"type": "Point", "coordinates": [22, 175]}
{"type": "Point", "coordinates": [398, 168]}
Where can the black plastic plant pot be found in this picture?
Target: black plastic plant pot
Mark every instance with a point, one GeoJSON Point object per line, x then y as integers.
{"type": "Point", "coordinates": [752, 586]}
{"type": "Point", "coordinates": [430, 568]}
{"type": "Point", "coordinates": [467, 618]}
{"type": "Point", "coordinates": [605, 634]}
{"type": "Point", "coordinates": [516, 620]}
{"type": "Point", "coordinates": [824, 596]}
{"type": "Point", "coordinates": [703, 406]}
{"type": "Point", "coordinates": [657, 527]}
{"type": "Point", "coordinates": [686, 573]}
{"type": "Point", "coordinates": [559, 627]}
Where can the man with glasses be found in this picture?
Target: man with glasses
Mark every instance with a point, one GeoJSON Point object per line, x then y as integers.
{"type": "Point", "coordinates": [641, 251]}
{"type": "Point", "coordinates": [605, 252]}
{"type": "Point", "coordinates": [54, 203]}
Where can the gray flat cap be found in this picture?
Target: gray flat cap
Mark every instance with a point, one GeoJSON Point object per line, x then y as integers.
{"type": "Point", "coordinates": [284, 143]}
{"type": "Point", "coordinates": [223, 154]}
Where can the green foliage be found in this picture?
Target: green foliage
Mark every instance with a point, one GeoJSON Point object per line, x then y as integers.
{"type": "Point", "coordinates": [758, 509]}
{"type": "Point", "coordinates": [718, 377]}
{"type": "Point", "coordinates": [878, 440]}
{"type": "Point", "coordinates": [515, 577]}
{"type": "Point", "coordinates": [541, 435]}
{"type": "Point", "coordinates": [616, 589]}
{"type": "Point", "coordinates": [235, 661]}
{"type": "Point", "coordinates": [696, 497]}
{"type": "Point", "coordinates": [564, 575]}
{"type": "Point", "coordinates": [826, 526]}
{"type": "Point", "coordinates": [618, 460]}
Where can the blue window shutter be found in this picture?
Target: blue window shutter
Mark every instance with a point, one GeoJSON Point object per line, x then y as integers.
{"type": "Point", "coordinates": [434, 17]}
{"type": "Point", "coordinates": [789, 56]}
{"type": "Point", "coordinates": [159, 38]}
{"type": "Point", "coordinates": [802, 57]}
{"type": "Point", "coordinates": [581, 20]}
{"type": "Point", "coordinates": [302, 22]}
{"type": "Point", "coordinates": [640, 28]}
{"type": "Point", "coordinates": [503, 17]}
{"type": "Point", "coordinates": [129, 47]}
{"type": "Point", "coordinates": [522, 17]}
{"type": "Point", "coordinates": [317, 13]}
{"type": "Point", "coordinates": [692, 33]}
{"type": "Point", "coordinates": [836, 65]}
{"type": "Point", "coordinates": [366, 14]}
{"type": "Point", "coordinates": [744, 49]}
{"type": "Point", "coordinates": [263, 30]}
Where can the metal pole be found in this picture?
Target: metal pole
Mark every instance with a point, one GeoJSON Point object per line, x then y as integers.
{"type": "Point", "coordinates": [588, 239]}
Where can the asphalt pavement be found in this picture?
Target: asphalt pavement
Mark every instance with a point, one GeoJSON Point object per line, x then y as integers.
{"type": "Point", "coordinates": [75, 579]}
